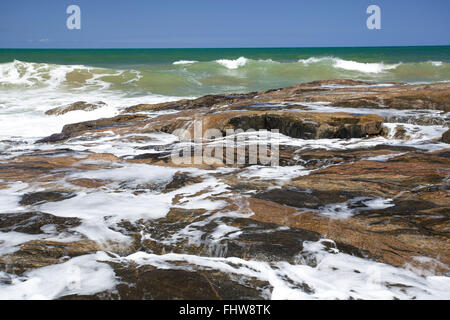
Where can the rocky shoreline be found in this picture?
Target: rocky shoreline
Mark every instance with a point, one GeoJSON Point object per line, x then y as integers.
{"type": "Point", "coordinates": [341, 182]}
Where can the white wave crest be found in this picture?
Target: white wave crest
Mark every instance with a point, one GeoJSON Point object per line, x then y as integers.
{"type": "Point", "coordinates": [436, 63]}
{"type": "Point", "coordinates": [365, 67]}
{"type": "Point", "coordinates": [31, 74]}
{"type": "Point", "coordinates": [27, 73]}
{"type": "Point", "coordinates": [233, 64]}
{"type": "Point", "coordinates": [184, 62]}
{"type": "Point", "coordinates": [315, 60]}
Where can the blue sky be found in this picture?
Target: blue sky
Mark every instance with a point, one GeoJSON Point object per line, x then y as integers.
{"type": "Point", "coordinates": [230, 23]}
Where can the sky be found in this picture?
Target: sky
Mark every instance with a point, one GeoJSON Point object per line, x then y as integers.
{"type": "Point", "coordinates": [217, 24]}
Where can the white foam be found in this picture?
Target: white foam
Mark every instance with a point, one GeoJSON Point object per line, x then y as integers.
{"type": "Point", "coordinates": [22, 111]}
{"type": "Point", "coordinates": [9, 241]}
{"type": "Point", "coordinates": [333, 276]}
{"type": "Point", "coordinates": [224, 231]}
{"type": "Point", "coordinates": [422, 137]}
{"type": "Point", "coordinates": [233, 64]}
{"type": "Point", "coordinates": [279, 173]}
{"type": "Point", "coordinates": [347, 209]}
{"type": "Point", "coordinates": [102, 208]}
{"type": "Point", "coordinates": [10, 197]}
{"type": "Point", "coordinates": [83, 275]}
{"type": "Point", "coordinates": [314, 60]}
{"type": "Point", "coordinates": [184, 62]}
{"type": "Point", "coordinates": [363, 67]}
{"type": "Point", "coordinates": [351, 65]}
{"type": "Point", "coordinates": [384, 157]}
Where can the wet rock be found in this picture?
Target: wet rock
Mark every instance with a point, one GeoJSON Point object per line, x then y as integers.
{"type": "Point", "coordinates": [32, 222]}
{"type": "Point", "coordinates": [245, 238]}
{"type": "Point", "coordinates": [339, 92]}
{"type": "Point", "coordinates": [342, 93]}
{"type": "Point", "coordinates": [307, 198]}
{"type": "Point", "coordinates": [87, 183]}
{"type": "Point", "coordinates": [75, 129]}
{"type": "Point", "coordinates": [294, 124]}
{"type": "Point", "coordinates": [446, 136]}
{"type": "Point", "coordinates": [79, 105]}
{"type": "Point", "coordinates": [277, 216]}
{"type": "Point", "coordinates": [207, 101]}
{"type": "Point", "coordinates": [181, 179]}
{"type": "Point", "coordinates": [413, 225]}
{"type": "Point", "coordinates": [150, 283]}
{"type": "Point", "coordinates": [42, 253]}
{"type": "Point", "coordinates": [400, 133]}
{"type": "Point", "coordinates": [44, 196]}
{"type": "Point", "coordinates": [310, 126]}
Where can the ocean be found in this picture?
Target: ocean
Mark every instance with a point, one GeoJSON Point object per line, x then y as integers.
{"type": "Point", "coordinates": [195, 72]}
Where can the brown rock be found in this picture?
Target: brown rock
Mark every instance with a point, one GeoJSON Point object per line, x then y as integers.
{"type": "Point", "coordinates": [79, 105]}
{"type": "Point", "coordinates": [446, 136]}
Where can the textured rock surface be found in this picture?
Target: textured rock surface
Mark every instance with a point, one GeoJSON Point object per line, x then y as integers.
{"type": "Point", "coordinates": [383, 201]}
{"type": "Point", "coordinates": [79, 105]}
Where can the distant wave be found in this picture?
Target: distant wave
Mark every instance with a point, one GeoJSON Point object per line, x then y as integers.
{"type": "Point", "coordinates": [436, 63]}
{"type": "Point", "coordinates": [184, 62]}
{"type": "Point", "coordinates": [233, 64]}
{"type": "Point", "coordinates": [352, 65]}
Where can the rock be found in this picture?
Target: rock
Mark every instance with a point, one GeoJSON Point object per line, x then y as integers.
{"type": "Point", "coordinates": [41, 253]}
{"type": "Point", "coordinates": [261, 219]}
{"type": "Point", "coordinates": [181, 180]}
{"type": "Point", "coordinates": [150, 283]}
{"type": "Point", "coordinates": [207, 101]}
{"type": "Point", "coordinates": [446, 136]}
{"type": "Point", "coordinates": [400, 132]}
{"type": "Point", "coordinates": [87, 183]}
{"type": "Point", "coordinates": [31, 222]}
{"type": "Point", "coordinates": [310, 125]}
{"type": "Point", "coordinates": [413, 225]}
{"type": "Point", "coordinates": [79, 105]}
{"type": "Point", "coordinates": [294, 124]}
{"type": "Point", "coordinates": [344, 93]}
{"type": "Point", "coordinates": [76, 129]}
{"type": "Point", "coordinates": [44, 196]}
{"type": "Point", "coordinates": [339, 92]}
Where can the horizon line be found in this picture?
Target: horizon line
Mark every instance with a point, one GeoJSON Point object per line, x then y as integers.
{"type": "Point", "coordinates": [263, 47]}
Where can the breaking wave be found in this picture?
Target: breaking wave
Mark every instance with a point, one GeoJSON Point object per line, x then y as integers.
{"type": "Point", "coordinates": [351, 65]}
{"type": "Point", "coordinates": [233, 64]}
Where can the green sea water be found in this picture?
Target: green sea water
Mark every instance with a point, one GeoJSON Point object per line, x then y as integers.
{"type": "Point", "coordinates": [195, 72]}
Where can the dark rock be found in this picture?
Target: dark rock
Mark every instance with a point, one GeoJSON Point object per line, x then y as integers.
{"type": "Point", "coordinates": [150, 283]}
{"type": "Point", "coordinates": [31, 222]}
{"type": "Point", "coordinates": [44, 196]}
{"type": "Point", "coordinates": [446, 136]}
{"type": "Point", "coordinates": [308, 198]}
{"type": "Point", "coordinates": [181, 179]}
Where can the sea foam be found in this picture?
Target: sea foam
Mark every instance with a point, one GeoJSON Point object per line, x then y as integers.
{"type": "Point", "coordinates": [184, 62]}
{"type": "Point", "coordinates": [233, 64]}
{"type": "Point", "coordinates": [351, 65]}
